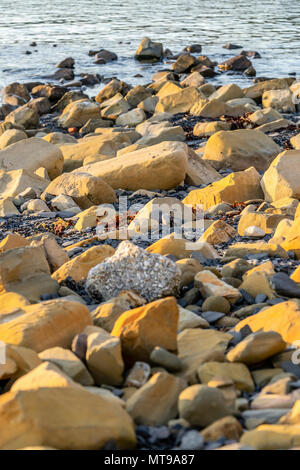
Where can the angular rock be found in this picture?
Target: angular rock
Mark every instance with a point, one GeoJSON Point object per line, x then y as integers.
{"type": "Point", "coordinates": [149, 50]}
{"type": "Point", "coordinates": [86, 190]}
{"type": "Point", "coordinates": [180, 102]}
{"type": "Point", "coordinates": [239, 373]}
{"type": "Point", "coordinates": [143, 328]}
{"type": "Point", "coordinates": [240, 186]}
{"type": "Point", "coordinates": [257, 347]}
{"type": "Point", "coordinates": [282, 178]}
{"type": "Point", "coordinates": [145, 407]}
{"type": "Point", "coordinates": [50, 417]}
{"type": "Point", "coordinates": [281, 100]}
{"type": "Point", "coordinates": [209, 284]}
{"type": "Point", "coordinates": [129, 268]}
{"type": "Point", "coordinates": [79, 266]}
{"type": "Point", "coordinates": [47, 324]}
{"type": "Point", "coordinates": [77, 113]}
{"type": "Point", "coordinates": [161, 166]}
{"type": "Point", "coordinates": [31, 154]}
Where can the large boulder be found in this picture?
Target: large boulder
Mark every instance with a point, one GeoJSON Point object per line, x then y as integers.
{"type": "Point", "coordinates": [227, 92]}
{"type": "Point", "coordinates": [67, 418]}
{"type": "Point", "coordinates": [86, 190]}
{"type": "Point", "coordinates": [149, 50]}
{"type": "Point", "coordinates": [31, 154]}
{"type": "Point", "coordinates": [161, 166]}
{"type": "Point", "coordinates": [240, 149]}
{"type": "Point", "coordinates": [25, 117]}
{"type": "Point", "coordinates": [77, 113]}
{"type": "Point", "coordinates": [150, 275]}
{"type": "Point", "coordinates": [11, 136]}
{"type": "Point", "coordinates": [143, 328]}
{"type": "Point", "coordinates": [282, 178]}
{"type": "Point", "coordinates": [236, 187]}
{"type": "Point", "coordinates": [256, 91]}
{"type": "Point", "coordinates": [46, 325]}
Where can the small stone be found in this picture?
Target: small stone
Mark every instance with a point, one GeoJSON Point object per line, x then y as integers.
{"type": "Point", "coordinates": [216, 304]}
{"type": "Point", "coordinates": [192, 440]}
{"type": "Point", "coordinates": [138, 375]}
{"type": "Point", "coordinates": [164, 358]}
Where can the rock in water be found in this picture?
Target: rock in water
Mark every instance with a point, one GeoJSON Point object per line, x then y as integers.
{"type": "Point", "coordinates": [150, 275]}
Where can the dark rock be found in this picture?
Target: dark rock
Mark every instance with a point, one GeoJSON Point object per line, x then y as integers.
{"type": "Point", "coordinates": [193, 48]}
{"type": "Point", "coordinates": [231, 46]}
{"type": "Point", "coordinates": [285, 286]}
{"type": "Point", "coordinates": [260, 298]}
{"type": "Point", "coordinates": [247, 297]}
{"type": "Point", "coordinates": [65, 74]}
{"type": "Point", "coordinates": [108, 56]}
{"type": "Point", "coordinates": [67, 63]}
{"type": "Point", "coordinates": [252, 54]}
{"type": "Point", "coordinates": [212, 317]}
{"type": "Point", "coordinates": [237, 63]}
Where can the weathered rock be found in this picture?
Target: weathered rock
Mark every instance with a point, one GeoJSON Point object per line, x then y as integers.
{"type": "Point", "coordinates": [227, 92]}
{"type": "Point", "coordinates": [206, 129]}
{"type": "Point", "coordinates": [257, 347]}
{"type": "Point", "coordinates": [209, 284]}
{"type": "Point", "coordinates": [103, 357]}
{"type": "Point", "coordinates": [113, 87]}
{"type": "Point", "coordinates": [197, 346]}
{"type": "Point", "coordinates": [107, 313]}
{"type": "Point", "coordinates": [161, 166]}
{"type": "Point", "coordinates": [45, 325]}
{"type": "Point", "coordinates": [193, 79]}
{"type": "Point", "coordinates": [273, 437]}
{"type": "Point", "coordinates": [201, 405]}
{"type": "Point", "coordinates": [240, 186]}
{"type": "Point", "coordinates": [89, 150]}
{"type": "Point", "coordinates": [69, 363]}
{"type": "Point", "coordinates": [256, 91]}
{"type": "Point", "coordinates": [283, 318]}
{"type": "Point", "coordinates": [31, 154]}
{"type": "Point", "coordinates": [264, 116]}
{"type": "Point", "coordinates": [149, 50]}
{"type": "Point", "coordinates": [143, 328]}
{"type": "Point", "coordinates": [50, 417]}
{"type": "Point", "coordinates": [281, 178]}
{"type": "Point", "coordinates": [79, 267]}
{"type": "Point", "coordinates": [77, 113]}
{"type": "Point", "coordinates": [188, 319]}
{"type": "Point", "coordinates": [7, 208]}
{"type": "Point", "coordinates": [218, 232]}
{"type": "Point", "coordinates": [184, 63]}
{"type": "Point", "coordinates": [164, 358]}
{"type": "Point", "coordinates": [281, 100]}
{"type": "Point", "coordinates": [240, 149]}
{"type": "Point", "coordinates": [239, 373]}
{"type": "Point", "coordinates": [59, 138]}
{"type": "Point", "coordinates": [180, 102]}
{"type": "Point", "coordinates": [137, 94]}
{"type": "Point", "coordinates": [239, 250]}
{"type": "Point", "coordinates": [11, 136]}
{"type": "Point", "coordinates": [114, 107]}
{"type": "Point", "coordinates": [145, 407]}
{"type": "Point", "coordinates": [227, 427]}
{"type": "Point", "coordinates": [86, 190]}
{"type": "Point", "coordinates": [132, 118]}
{"type": "Point", "coordinates": [129, 268]}
{"type": "Point", "coordinates": [17, 89]}
{"type": "Point", "coordinates": [189, 267]}
{"type": "Point", "coordinates": [25, 117]}
{"type": "Point", "coordinates": [25, 270]}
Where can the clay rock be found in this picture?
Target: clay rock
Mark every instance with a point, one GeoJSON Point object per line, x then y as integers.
{"type": "Point", "coordinates": [282, 177]}
{"type": "Point", "coordinates": [240, 186]}
{"type": "Point", "coordinates": [47, 324]}
{"type": "Point", "coordinates": [85, 189]}
{"type": "Point", "coordinates": [31, 154]}
{"type": "Point", "coordinates": [143, 328]}
{"type": "Point", "coordinates": [63, 426]}
{"type": "Point", "coordinates": [149, 50]}
{"type": "Point", "coordinates": [240, 150]}
{"type": "Point", "coordinates": [161, 166]}
{"type": "Point", "coordinates": [144, 407]}
{"type": "Point", "coordinates": [79, 266]}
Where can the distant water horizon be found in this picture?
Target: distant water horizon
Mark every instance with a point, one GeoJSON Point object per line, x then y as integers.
{"type": "Point", "coordinates": [270, 27]}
